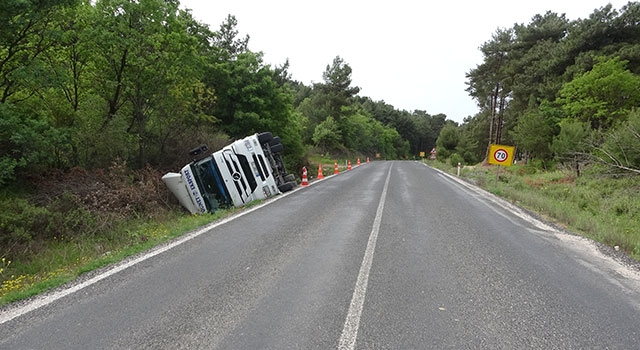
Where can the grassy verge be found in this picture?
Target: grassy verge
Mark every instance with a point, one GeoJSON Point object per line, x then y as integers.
{"type": "Point", "coordinates": [328, 164]}
{"type": "Point", "coordinates": [602, 208]}
{"type": "Point", "coordinates": [60, 260]}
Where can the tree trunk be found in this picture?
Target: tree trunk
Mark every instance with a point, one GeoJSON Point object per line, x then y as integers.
{"type": "Point", "coordinates": [493, 104]}
{"type": "Point", "coordinates": [500, 120]}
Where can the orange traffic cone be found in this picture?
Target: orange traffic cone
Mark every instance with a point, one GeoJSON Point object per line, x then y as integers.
{"type": "Point", "coordinates": [320, 176]}
{"type": "Point", "coordinates": [335, 167]}
{"type": "Point", "coordinates": [367, 160]}
{"type": "Point", "coordinates": [358, 164]}
{"type": "Point", "coordinates": [349, 164]}
{"type": "Point", "coordinates": [305, 181]}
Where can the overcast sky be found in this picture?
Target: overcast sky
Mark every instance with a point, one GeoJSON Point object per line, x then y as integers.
{"type": "Point", "coordinates": [412, 54]}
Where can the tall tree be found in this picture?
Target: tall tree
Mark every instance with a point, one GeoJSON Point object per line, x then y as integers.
{"type": "Point", "coordinates": [489, 83]}
{"type": "Point", "coordinates": [144, 55]}
{"type": "Point", "coordinates": [337, 86]}
{"type": "Point", "coordinates": [227, 42]}
{"type": "Point", "coordinates": [534, 132]}
{"type": "Point", "coordinates": [250, 96]}
{"type": "Point", "coordinates": [537, 61]}
{"type": "Point", "coordinates": [602, 96]}
{"type": "Point", "coordinates": [26, 33]}
{"type": "Point", "coordinates": [539, 58]}
{"type": "Point", "coordinates": [327, 135]}
{"type": "Point", "coordinates": [28, 139]}
{"type": "Point", "coordinates": [448, 139]}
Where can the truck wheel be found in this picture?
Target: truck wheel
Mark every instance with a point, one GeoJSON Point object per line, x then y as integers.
{"type": "Point", "coordinates": [277, 148]}
{"type": "Point", "coordinates": [275, 140]}
{"type": "Point", "coordinates": [287, 186]}
{"type": "Point", "coordinates": [265, 137]}
{"type": "Point", "coordinates": [290, 178]}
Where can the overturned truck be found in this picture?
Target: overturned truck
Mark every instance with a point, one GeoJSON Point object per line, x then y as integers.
{"type": "Point", "coordinates": [246, 170]}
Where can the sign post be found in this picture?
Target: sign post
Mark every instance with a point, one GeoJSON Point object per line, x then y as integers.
{"type": "Point", "coordinates": [501, 155]}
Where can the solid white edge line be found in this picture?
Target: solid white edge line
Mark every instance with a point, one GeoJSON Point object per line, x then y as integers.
{"type": "Point", "coordinates": [49, 298]}
{"type": "Point", "coordinates": [497, 200]}
{"type": "Point", "coordinates": [577, 243]}
{"type": "Point", "coordinates": [352, 322]}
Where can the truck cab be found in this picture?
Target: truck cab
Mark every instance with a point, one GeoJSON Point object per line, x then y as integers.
{"type": "Point", "coordinates": [246, 170]}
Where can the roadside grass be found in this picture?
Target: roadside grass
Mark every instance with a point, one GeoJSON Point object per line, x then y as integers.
{"type": "Point", "coordinates": [602, 208]}
{"type": "Point", "coordinates": [328, 164]}
{"type": "Point", "coordinates": [61, 260]}
{"type": "Point", "coordinates": [322, 159]}
{"type": "Point", "coordinates": [58, 226]}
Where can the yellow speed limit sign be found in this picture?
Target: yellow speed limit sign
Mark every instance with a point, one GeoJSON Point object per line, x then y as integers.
{"type": "Point", "coordinates": [501, 155]}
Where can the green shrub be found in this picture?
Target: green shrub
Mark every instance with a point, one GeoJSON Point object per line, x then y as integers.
{"type": "Point", "coordinates": [455, 159]}
{"type": "Point", "coordinates": [67, 218]}
{"type": "Point", "coordinates": [20, 221]}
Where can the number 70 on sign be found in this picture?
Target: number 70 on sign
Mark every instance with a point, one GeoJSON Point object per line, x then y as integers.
{"type": "Point", "coordinates": [501, 155]}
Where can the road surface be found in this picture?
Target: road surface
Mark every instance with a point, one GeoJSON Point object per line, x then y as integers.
{"type": "Point", "coordinates": [389, 255]}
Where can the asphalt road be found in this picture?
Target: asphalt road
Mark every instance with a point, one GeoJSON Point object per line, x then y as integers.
{"type": "Point", "coordinates": [390, 255]}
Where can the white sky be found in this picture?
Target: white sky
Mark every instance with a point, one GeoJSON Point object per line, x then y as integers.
{"type": "Point", "coordinates": [412, 54]}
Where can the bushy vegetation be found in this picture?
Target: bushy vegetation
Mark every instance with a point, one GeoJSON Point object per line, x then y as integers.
{"type": "Point", "coordinates": [561, 91]}
{"type": "Point", "coordinates": [75, 221]}
{"type": "Point", "coordinates": [61, 259]}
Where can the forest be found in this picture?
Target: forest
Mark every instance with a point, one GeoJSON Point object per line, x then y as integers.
{"type": "Point", "coordinates": [142, 82]}
{"type": "Point", "coordinates": [99, 98]}
{"type": "Point", "coordinates": [563, 92]}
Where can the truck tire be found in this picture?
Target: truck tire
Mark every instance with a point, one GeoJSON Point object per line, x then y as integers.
{"type": "Point", "coordinates": [287, 186]}
{"type": "Point", "coordinates": [290, 178]}
{"type": "Point", "coordinates": [275, 140]}
{"type": "Point", "coordinates": [277, 148]}
{"type": "Point", "coordinates": [265, 137]}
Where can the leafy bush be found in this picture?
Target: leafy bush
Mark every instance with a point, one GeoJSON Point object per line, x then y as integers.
{"type": "Point", "coordinates": [20, 221]}
{"type": "Point", "coordinates": [67, 218]}
{"type": "Point", "coordinates": [534, 166]}
{"type": "Point", "coordinates": [79, 203]}
{"type": "Point", "coordinates": [27, 143]}
{"type": "Point", "coordinates": [442, 153]}
{"type": "Point", "coordinates": [621, 148]}
{"type": "Point", "coordinates": [571, 139]}
{"type": "Point", "coordinates": [455, 159]}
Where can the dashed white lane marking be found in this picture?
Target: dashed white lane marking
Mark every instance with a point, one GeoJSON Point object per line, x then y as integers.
{"type": "Point", "coordinates": [352, 322]}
